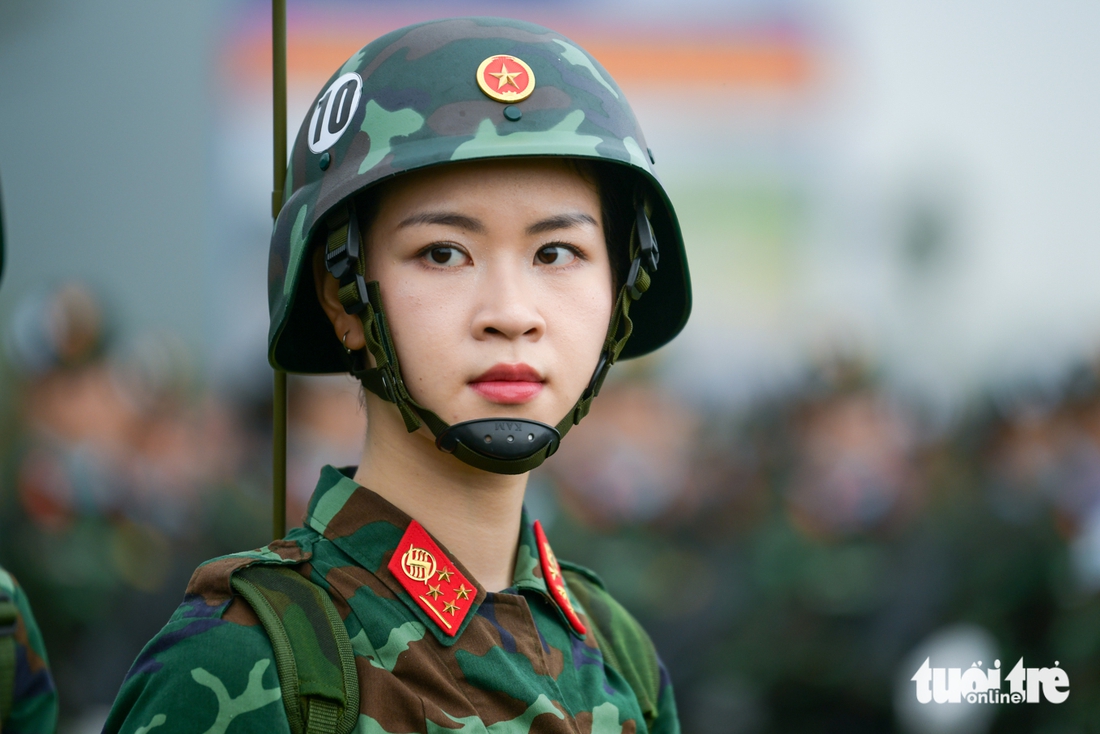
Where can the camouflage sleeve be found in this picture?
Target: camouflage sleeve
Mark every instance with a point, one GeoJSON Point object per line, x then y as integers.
{"type": "Point", "coordinates": [209, 668]}
{"type": "Point", "coordinates": [34, 701]}
{"type": "Point", "coordinates": [667, 721]}
{"type": "Point", "coordinates": [627, 648]}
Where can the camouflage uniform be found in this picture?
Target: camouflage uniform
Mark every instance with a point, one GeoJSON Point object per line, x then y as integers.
{"type": "Point", "coordinates": [34, 709]}
{"type": "Point", "coordinates": [512, 661]}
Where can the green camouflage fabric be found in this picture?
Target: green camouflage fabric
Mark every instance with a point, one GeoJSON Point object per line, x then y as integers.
{"type": "Point", "coordinates": [420, 105]}
{"type": "Point", "coordinates": [34, 709]}
{"type": "Point", "coordinates": [514, 665]}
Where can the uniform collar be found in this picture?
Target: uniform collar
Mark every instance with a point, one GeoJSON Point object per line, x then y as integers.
{"type": "Point", "coordinates": [537, 569]}
{"type": "Point", "coordinates": [416, 567]}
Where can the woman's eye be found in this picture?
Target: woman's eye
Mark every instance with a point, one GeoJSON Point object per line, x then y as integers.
{"type": "Point", "coordinates": [446, 255]}
{"type": "Point", "coordinates": [555, 255]}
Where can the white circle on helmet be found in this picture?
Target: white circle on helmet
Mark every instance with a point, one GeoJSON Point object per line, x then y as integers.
{"type": "Point", "coordinates": [333, 112]}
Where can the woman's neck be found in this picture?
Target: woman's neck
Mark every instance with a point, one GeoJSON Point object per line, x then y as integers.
{"type": "Point", "coordinates": [475, 514]}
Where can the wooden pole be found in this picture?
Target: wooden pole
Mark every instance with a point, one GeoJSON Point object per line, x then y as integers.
{"type": "Point", "coordinates": [278, 448]}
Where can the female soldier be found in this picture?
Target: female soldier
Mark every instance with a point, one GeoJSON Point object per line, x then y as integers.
{"type": "Point", "coordinates": [467, 230]}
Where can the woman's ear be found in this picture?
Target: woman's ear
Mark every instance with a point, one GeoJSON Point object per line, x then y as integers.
{"type": "Point", "coordinates": [348, 327]}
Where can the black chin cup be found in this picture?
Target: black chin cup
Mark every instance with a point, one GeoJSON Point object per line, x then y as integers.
{"type": "Point", "coordinates": [505, 439]}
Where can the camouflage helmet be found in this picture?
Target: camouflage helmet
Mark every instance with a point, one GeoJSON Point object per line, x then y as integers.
{"type": "Point", "coordinates": [458, 90]}
{"type": "Point", "coordinates": [410, 100]}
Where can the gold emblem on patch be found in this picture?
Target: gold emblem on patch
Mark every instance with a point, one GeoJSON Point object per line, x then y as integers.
{"type": "Point", "coordinates": [418, 564]}
{"type": "Point", "coordinates": [505, 78]}
{"type": "Point", "coordinates": [553, 561]}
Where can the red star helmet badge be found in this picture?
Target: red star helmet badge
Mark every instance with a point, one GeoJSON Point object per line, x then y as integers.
{"type": "Point", "coordinates": [551, 573]}
{"type": "Point", "coordinates": [505, 78]}
{"type": "Point", "coordinates": [432, 579]}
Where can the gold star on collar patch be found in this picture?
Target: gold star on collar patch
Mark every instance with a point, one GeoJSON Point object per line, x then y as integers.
{"type": "Point", "coordinates": [505, 78]}
{"type": "Point", "coordinates": [551, 574]}
{"type": "Point", "coordinates": [432, 579]}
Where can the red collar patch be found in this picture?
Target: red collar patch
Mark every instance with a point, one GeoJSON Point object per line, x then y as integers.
{"type": "Point", "coordinates": [551, 573]}
{"type": "Point", "coordinates": [432, 580]}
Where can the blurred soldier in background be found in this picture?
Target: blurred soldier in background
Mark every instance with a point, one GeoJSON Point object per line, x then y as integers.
{"type": "Point", "coordinates": [117, 481]}
{"type": "Point", "coordinates": [28, 698]}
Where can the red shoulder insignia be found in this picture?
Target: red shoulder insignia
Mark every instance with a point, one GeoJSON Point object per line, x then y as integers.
{"type": "Point", "coordinates": [551, 573]}
{"type": "Point", "coordinates": [431, 579]}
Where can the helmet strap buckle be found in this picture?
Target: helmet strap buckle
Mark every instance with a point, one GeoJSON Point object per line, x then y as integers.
{"type": "Point", "coordinates": [632, 279]}
{"type": "Point", "coordinates": [646, 254]}
{"type": "Point", "coordinates": [343, 259]}
{"type": "Point", "coordinates": [594, 385]}
{"type": "Point", "coordinates": [387, 385]}
{"type": "Point", "coordinates": [647, 240]}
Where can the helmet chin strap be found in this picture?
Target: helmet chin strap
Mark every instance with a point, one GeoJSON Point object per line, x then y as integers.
{"type": "Point", "coordinates": [501, 445]}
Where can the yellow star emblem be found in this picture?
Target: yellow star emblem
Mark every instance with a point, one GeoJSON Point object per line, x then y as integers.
{"type": "Point", "coordinates": [445, 574]}
{"type": "Point", "coordinates": [505, 77]}
{"type": "Point", "coordinates": [462, 592]}
{"type": "Point", "coordinates": [450, 607]}
{"type": "Point", "coordinates": [504, 85]}
{"type": "Point", "coordinates": [434, 592]}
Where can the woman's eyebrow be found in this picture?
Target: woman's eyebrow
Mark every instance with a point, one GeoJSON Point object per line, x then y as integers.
{"type": "Point", "coordinates": [449, 219]}
{"type": "Point", "coordinates": [561, 221]}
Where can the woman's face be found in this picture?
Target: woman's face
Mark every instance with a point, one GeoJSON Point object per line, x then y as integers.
{"type": "Point", "coordinates": [496, 283]}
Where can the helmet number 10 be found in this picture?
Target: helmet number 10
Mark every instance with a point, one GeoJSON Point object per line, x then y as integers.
{"type": "Point", "coordinates": [333, 111]}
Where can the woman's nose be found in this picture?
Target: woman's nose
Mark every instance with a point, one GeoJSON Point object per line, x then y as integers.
{"type": "Point", "coordinates": [508, 307]}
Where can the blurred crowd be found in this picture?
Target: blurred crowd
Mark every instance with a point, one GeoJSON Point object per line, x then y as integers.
{"type": "Point", "coordinates": [120, 473]}
{"type": "Point", "coordinates": [790, 557]}
{"type": "Point", "coordinates": [797, 561]}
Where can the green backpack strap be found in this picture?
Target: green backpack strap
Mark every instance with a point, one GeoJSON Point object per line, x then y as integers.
{"type": "Point", "coordinates": [625, 646]}
{"type": "Point", "coordinates": [9, 613]}
{"type": "Point", "coordinates": [313, 654]}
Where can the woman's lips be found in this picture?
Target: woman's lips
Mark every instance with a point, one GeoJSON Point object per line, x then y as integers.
{"type": "Point", "coordinates": [508, 384]}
